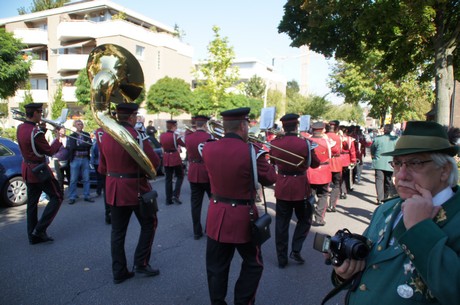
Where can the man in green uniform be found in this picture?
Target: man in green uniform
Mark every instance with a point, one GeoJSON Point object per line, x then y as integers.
{"type": "Point", "coordinates": [415, 256]}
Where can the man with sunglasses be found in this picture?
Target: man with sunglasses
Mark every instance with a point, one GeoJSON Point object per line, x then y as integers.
{"type": "Point", "coordinates": [415, 254]}
{"type": "Point", "coordinates": [34, 149]}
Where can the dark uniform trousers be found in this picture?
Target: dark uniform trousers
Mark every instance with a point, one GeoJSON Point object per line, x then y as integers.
{"type": "Point", "coordinates": [335, 191]}
{"type": "Point", "coordinates": [120, 221]}
{"type": "Point", "coordinates": [384, 185]}
{"type": "Point", "coordinates": [322, 192]}
{"type": "Point", "coordinates": [34, 190]}
{"type": "Point", "coordinates": [218, 260]}
{"type": "Point", "coordinates": [197, 195]}
{"type": "Point", "coordinates": [177, 171]}
{"type": "Point", "coordinates": [284, 209]}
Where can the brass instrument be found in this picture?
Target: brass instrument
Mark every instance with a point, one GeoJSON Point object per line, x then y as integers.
{"type": "Point", "coordinates": [217, 130]}
{"type": "Point", "coordinates": [189, 128]}
{"type": "Point", "coordinates": [115, 76]}
{"type": "Point", "coordinates": [21, 116]}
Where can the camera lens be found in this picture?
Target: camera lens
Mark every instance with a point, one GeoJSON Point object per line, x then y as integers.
{"type": "Point", "coordinates": [358, 250]}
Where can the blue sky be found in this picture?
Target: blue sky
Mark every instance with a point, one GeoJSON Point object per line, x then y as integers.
{"type": "Point", "coordinates": [250, 26]}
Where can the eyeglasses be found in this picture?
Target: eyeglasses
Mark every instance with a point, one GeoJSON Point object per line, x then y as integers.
{"type": "Point", "coordinates": [413, 165]}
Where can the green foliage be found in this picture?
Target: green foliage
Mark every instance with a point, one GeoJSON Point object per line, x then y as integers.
{"type": "Point", "coordinates": [170, 95]}
{"type": "Point", "coordinates": [3, 110]}
{"type": "Point", "coordinates": [255, 87]}
{"type": "Point", "coordinates": [313, 105]}
{"type": "Point", "coordinates": [276, 99]}
{"type": "Point", "coordinates": [413, 37]}
{"type": "Point", "coordinates": [42, 5]}
{"type": "Point", "coordinates": [119, 16]}
{"type": "Point", "coordinates": [88, 118]}
{"type": "Point", "coordinates": [14, 70]}
{"type": "Point", "coordinates": [83, 90]}
{"type": "Point", "coordinates": [292, 88]}
{"type": "Point", "coordinates": [345, 112]}
{"type": "Point", "coordinates": [9, 133]}
{"type": "Point", "coordinates": [178, 32]}
{"type": "Point", "coordinates": [216, 74]}
{"type": "Point", "coordinates": [141, 98]}
{"type": "Point", "coordinates": [58, 103]}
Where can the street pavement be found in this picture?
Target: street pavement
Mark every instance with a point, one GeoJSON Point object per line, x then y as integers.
{"type": "Point", "coordinates": [76, 268]}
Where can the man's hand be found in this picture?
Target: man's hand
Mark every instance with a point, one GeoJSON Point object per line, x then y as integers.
{"type": "Point", "coordinates": [418, 207]}
{"type": "Point", "coordinates": [349, 268]}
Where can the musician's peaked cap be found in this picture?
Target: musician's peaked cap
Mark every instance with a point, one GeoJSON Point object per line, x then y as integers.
{"type": "Point", "coordinates": [171, 122]}
{"type": "Point", "coordinates": [236, 114]}
{"type": "Point", "coordinates": [318, 125]}
{"type": "Point", "coordinates": [34, 106]}
{"type": "Point", "coordinates": [201, 118]}
{"type": "Point", "coordinates": [289, 119]}
{"type": "Point", "coordinates": [127, 108]}
{"type": "Point", "coordinates": [335, 122]}
{"type": "Point", "coordinates": [423, 137]}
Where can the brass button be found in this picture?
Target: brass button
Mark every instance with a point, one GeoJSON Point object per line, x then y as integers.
{"type": "Point", "coordinates": [375, 267]}
{"type": "Point", "coordinates": [379, 248]}
{"type": "Point", "coordinates": [404, 247]}
{"type": "Point", "coordinates": [362, 287]}
{"type": "Point", "coordinates": [411, 257]}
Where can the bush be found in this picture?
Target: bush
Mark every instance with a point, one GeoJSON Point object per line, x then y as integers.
{"type": "Point", "coordinates": [9, 133]}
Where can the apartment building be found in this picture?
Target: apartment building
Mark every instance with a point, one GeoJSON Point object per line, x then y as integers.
{"type": "Point", "coordinates": [59, 41]}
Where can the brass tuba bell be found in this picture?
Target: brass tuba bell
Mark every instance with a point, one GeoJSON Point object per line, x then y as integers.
{"type": "Point", "coordinates": [115, 76]}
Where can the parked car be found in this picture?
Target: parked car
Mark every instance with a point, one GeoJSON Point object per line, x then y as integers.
{"type": "Point", "coordinates": [13, 189]}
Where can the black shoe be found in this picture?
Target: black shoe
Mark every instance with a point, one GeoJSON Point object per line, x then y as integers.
{"type": "Point", "coordinates": [39, 237]}
{"type": "Point", "coordinates": [168, 203]}
{"type": "Point", "coordinates": [282, 263]}
{"type": "Point", "coordinates": [297, 257]}
{"type": "Point", "coordinates": [343, 196]}
{"type": "Point", "coordinates": [197, 236]}
{"type": "Point", "coordinates": [108, 219]}
{"type": "Point", "coordinates": [329, 210]}
{"type": "Point", "coordinates": [123, 278]}
{"type": "Point", "coordinates": [147, 270]}
{"type": "Point", "coordinates": [177, 200]}
{"type": "Point", "coordinates": [71, 201]}
{"type": "Point", "coordinates": [89, 199]}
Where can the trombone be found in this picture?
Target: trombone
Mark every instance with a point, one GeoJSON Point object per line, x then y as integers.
{"type": "Point", "coordinates": [217, 130]}
{"type": "Point", "coordinates": [21, 116]}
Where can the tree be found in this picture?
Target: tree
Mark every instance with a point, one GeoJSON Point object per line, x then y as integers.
{"type": "Point", "coordinates": [276, 99]}
{"type": "Point", "coordinates": [255, 87]}
{"type": "Point", "coordinates": [42, 5]}
{"type": "Point", "coordinates": [83, 88]}
{"type": "Point", "coordinates": [58, 103]}
{"type": "Point", "coordinates": [14, 70]}
{"type": "Point", "coordinates": [292, 88]}
{"type": "Point", "coordinates": [217, 74]}
{"type": "Point", "coordinates": [409, 33]}
{"type": "Point", "coordinates": [170, 95]}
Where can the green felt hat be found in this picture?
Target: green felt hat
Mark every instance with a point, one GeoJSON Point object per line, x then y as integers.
{"type": "Point", "coordinates": [423, 137]}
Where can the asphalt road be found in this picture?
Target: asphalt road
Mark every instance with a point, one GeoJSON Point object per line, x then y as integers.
{"type": "Point", "coordinates": [76, 267]}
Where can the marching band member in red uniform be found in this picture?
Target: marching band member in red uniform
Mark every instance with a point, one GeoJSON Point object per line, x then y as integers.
{"type": "Point", "coordinates": [335, 164]}
{"type": "Point", "coordinates": [197, 173]}
{"type": "Point", "coordinates": [124, 183]}
{"type": "Point", "coordinates": [34, 149]}
{"type": "Point", "coordinates": [348, 157]}
{"type": "Point", "coordinates": [321, 176]}
{"type": "Point", "coordinates": [172, 162]}
{"type": "Point", "coordinates": [292, 190]}
{"type": "Point", "coordinates": [230, 168]}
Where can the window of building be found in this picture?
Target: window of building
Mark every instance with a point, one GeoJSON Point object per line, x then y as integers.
{"type": "Point", "coordinates": [39, 84]}
{"type": "Point", "coordinates": [140, 52]}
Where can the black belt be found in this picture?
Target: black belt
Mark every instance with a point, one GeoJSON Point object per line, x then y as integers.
{"type": "Point", "coordinates": [81, 157]}
{"type": "Point", "coordinates": [288, 173]}
{"type": "Point", "coordinates": [233, 202]}
{"type": "Point", "coordinates": [119, 175]}
{"type": "Point", "coordinates": [324, 163]}
{"type": "Point", "coordinates": [345, 153]}
{"type": "Point", "coordinates": [335, 156]}
{"type": "Point", "coordinates": [33, 162]}
{"type": "Point", "coordinates": [170, 151]}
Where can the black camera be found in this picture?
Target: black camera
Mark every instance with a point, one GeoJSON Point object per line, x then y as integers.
{"type": "Point", "coordinates": [342, 245]}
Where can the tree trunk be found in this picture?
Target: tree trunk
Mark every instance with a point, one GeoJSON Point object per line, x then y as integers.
{"type": "Point", "coordinates": [444, 80]}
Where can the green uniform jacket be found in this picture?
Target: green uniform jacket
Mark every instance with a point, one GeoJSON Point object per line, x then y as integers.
{"type": "Point", "coordinates": [416, 266]}
{"type": "Point", "coordinates": [381, 144]}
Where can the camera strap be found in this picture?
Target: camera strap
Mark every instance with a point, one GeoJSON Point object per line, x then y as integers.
{"type": "Point", "coordinates": [342, 286]}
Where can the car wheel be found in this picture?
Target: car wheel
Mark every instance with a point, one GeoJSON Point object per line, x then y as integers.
{"type": "Point", "coordinates": [15, 192]}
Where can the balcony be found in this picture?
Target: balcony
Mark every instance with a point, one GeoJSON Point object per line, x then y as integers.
{"type": "Point", "coordinates": [68, 94]}
{"type": "Point", "coordinates": [39, 96]}
{"type": "Point", "coordinates": [32, 37]}
{"type": "Point", "coordinates": [71, 62]}
{"type": "Point", "coordinates": [74, 30]}
{"type": "Point", "coordinates": [39, 67]}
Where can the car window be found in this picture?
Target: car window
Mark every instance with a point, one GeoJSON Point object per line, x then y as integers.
{"type": "Point", "coordinates": [5, 151]}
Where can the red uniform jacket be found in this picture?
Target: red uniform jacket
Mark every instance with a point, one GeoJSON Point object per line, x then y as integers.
{"type": "Point", "coordinates": [115, 159]}
{"type": "Point", "coordinates": [336, 161]}
{"type": "Point", "coordinates": [321, 174]}
{"type": "Point", "coordinates": [197, 172]}
{"type": "Point", "coordinates": [230, 172]}
{"type": "Point", "coordinates": [170, 142]}
{"type": "Point", "coordinates": [25, 133]}
{"type": "Point", "coordinates": [292, 182]}
{"type": "Point", "coordinates": [348, 154]}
